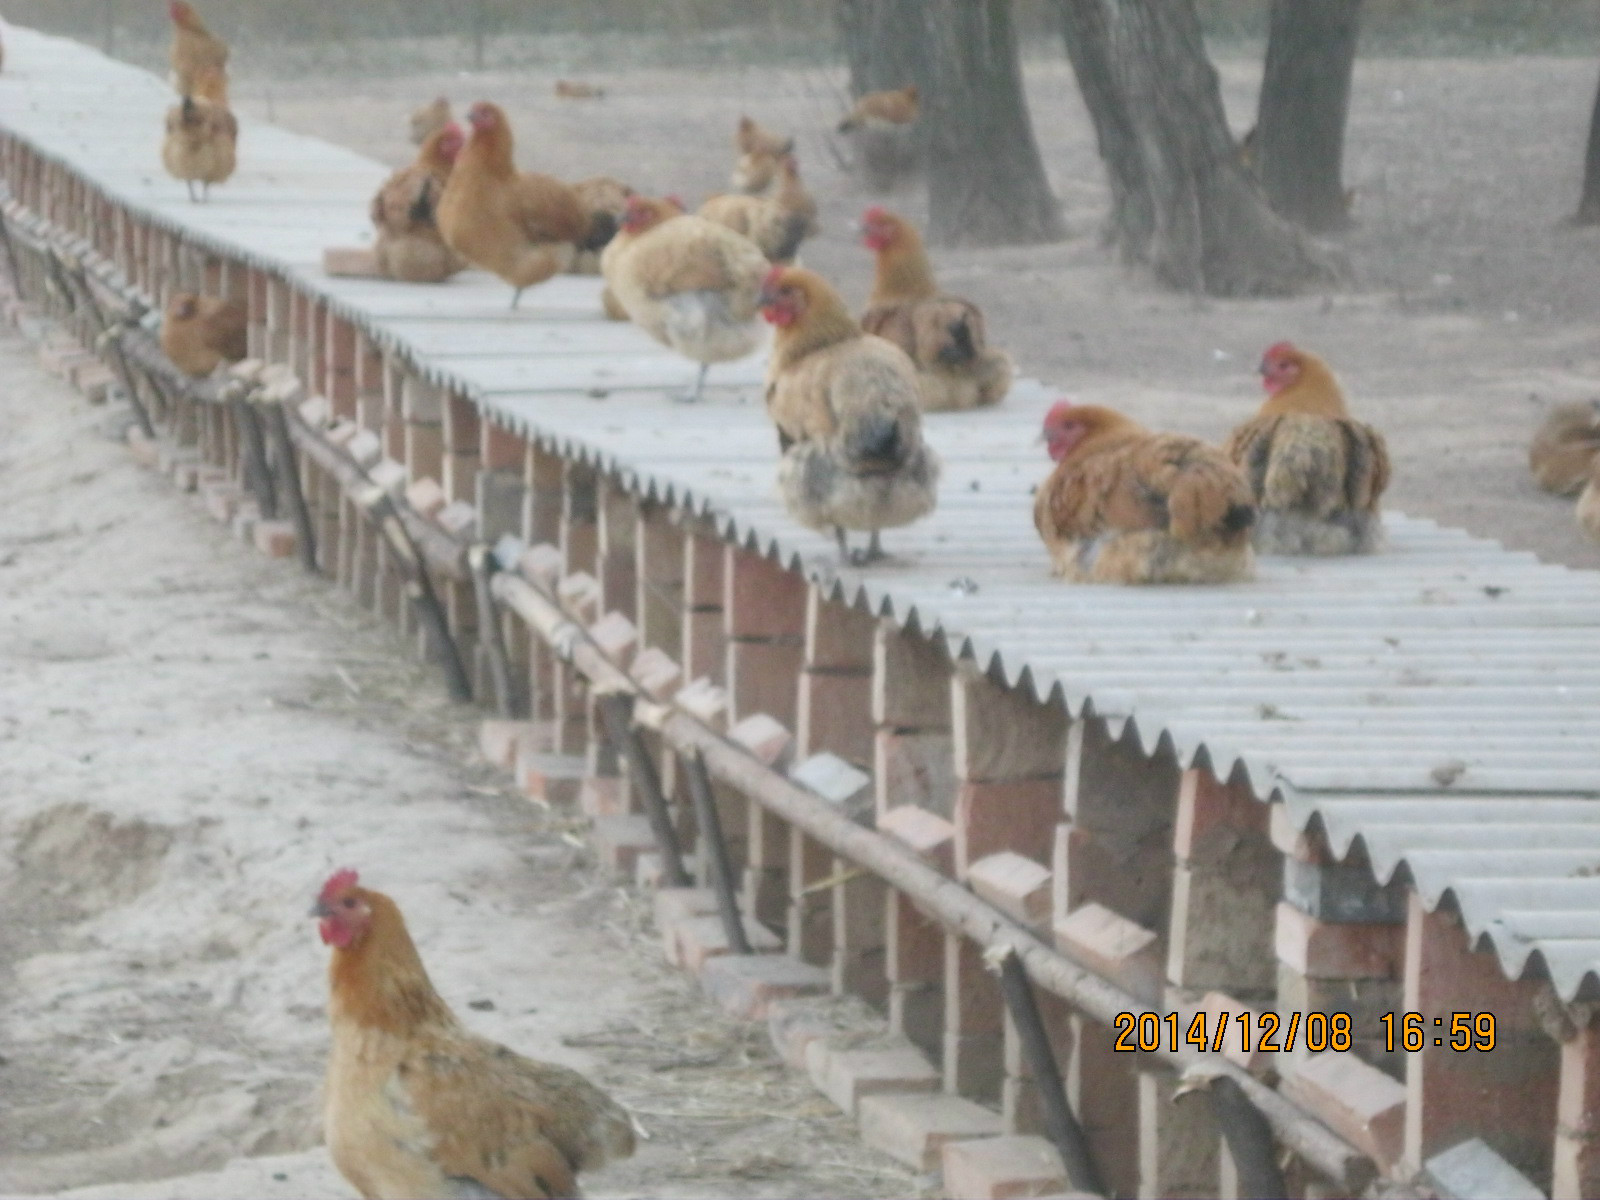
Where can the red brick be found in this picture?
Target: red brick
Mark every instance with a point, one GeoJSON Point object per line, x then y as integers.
{"type": "Point", "coordinates": [616, 637]}
{"type": "Point", "coordinates": [834, 714]}
{"type": "Point", "coordinates": [1110, 945]}
{"type": "Point", "coordinates": [1357, 1101]}
{"type": "Point", "coordinates": [618, 841]}
{"type": "Point", "coordinates": [426, 498]}
{"type": "Point", "coordinates": [1018, 814]}
{"type": "Point", "coordinates": [701, 939]}
{"type": "Point", "coordinates": [746, 985]}
{"type": "Point", "coordinates": [221, 500]}
{"type": "Point", "coordinates": [357, 262]}
{"type": "Point", "coordinates": [603, 796]}
{"type": "Point", "coordinates": [1208, 810]}
{"type": "Point", "coordinates": [845, 1075]}
{"type": "Point", "coordinates": [94, 380]}
{"type": "Point", "coordinates": [1017, 886]}
{"type": "Point", "coordinates": [656, 674]}
{"type": "Point", "coordinates": [761, 598]}
{"type": "Point", "coordinates": [276, 539]}
{"type": "Point", "coordinates": [145, 449]}
{"type": "Point", "coordinates": [1219, 1007]}
{"type": "Point", "coordinates": [553, 778]}
{"type": "Point", "coordinates": [499, 741]}
{"type": "Point", "coordinates": [542, 565]}
{"type": "Point", "coordinates": [579, 595]}
{"type": "Point", "coordinates": [914, 1128]}
{"type": "Point", "coordinates": [914, 768]}
{"type": "Point", "coordinates": [675, 904]}
{"type": "Point", "coordinates": [1002, 1167]}
{"type": "Point", "coordinates": [929, 836]}
{"type": "Point", "coordinates": [768, 741]}
{"type": "Point", "coordinates": [793, 1024]}
{"type": "Point", "coordinates": [1325, 951]}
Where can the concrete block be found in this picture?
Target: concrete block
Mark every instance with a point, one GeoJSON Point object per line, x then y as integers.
{"type": "Point", "coordinates": [618, 841]}
{"type": "Point", "coordinates": [1326, 951]}
{"type": "Point", "coordinates": [704, 701]}
{"type": "Point", "coordinates": [746, 985]}
{"type": "Point", "coordinates": [929, 836]}
{"type": "Point", "coordinates": [1219, 1007]}
{"type": "Point", "coordinates": [700, 939]}
{"type": "Point", "coordinates": [459, 519]}
{"type": "Point", "coordinates": [541, 565]}
{"type": "Point", "coordinates": [1357, 1101]}
{"type": "Point", "coordinates": [793, 1024]}
{"type": "Point", "coordinates": [498, 740]}
{"type": "Point", "coordinates": [426, 497]}
{"type": "Point", "coordinates": [656, 674]}
{"type": "Point", "coordinates": [675, 904]}
{"type": "Point", "coordinates": [391, 476]}
{"type": "Point", "coordinates": [849, 790]}
{"type": "Point", "coordinates": [341, 432]}
{"type": "Point", "coordinates": [1343, 894]}
{"type": "Point", "coordinates": [616, 637]}
{"type": "Point", "coordinates": [1472, 1171]}
{"type": "Point", "coordinates": [844, 1076]}
{"type": "Point", "coordinates": [1002, 1167]}
{"type": "Point", "coordinates": [365, 447]}
{"type": "Point", "coordinates": [1113, 946]}
{"type": "Point", "coordinates": [276, 539]}
{"type": "Point", "coordinates": [1017, 886]}
{"type": "Point", "coordinates": [766, 740]}
{"type": "Point", "coordinates": [316, 411]}
{"type": "Point", "coordinates": [914, 1128]}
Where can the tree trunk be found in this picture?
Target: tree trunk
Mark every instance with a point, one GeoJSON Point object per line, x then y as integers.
{"type": "Point", "coordinates": [986, 184]}
{"type": "Point", "coordinates": [1203, 223]}
{"type": "Point", "coordinates": [1589, 203]}
{"type": "Point", "coordinates": [1305, 97]}
{"type": "Point", "coordinates": [882, 44]}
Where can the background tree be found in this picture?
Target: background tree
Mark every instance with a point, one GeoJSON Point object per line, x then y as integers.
{"type": "Point", "coordinates": [1184, 203]}
{"type": "Point", "coordinates": [882, 44]}
{"type": "Point", "coordinates": [1589, 203]}
{"type": "Point", "coordinates": [1300, 119]}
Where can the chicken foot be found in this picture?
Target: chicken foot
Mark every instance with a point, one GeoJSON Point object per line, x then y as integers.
{"type": "Point", "coordinates": [699, 387]}
{"type": "Point", "coordinates": [874, 551]}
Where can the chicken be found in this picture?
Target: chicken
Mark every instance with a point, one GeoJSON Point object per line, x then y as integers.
{"type": "Point", "coordinates": [1316, 473]}
{"type": "Point", "coordinates": [752, 138]}
{"type": "Point", "coordinates": [429, 119]}
{"type": "Point", "coordinates": [415, 1105]}
{"type": "Point", "coordinates": [943, 334]}
{"type": "Point", "coordinates": [877, 109]}
{"type": "Point", "coordinates": [194, 47]}
{"type": "Point", "coordinates": [574, 89]}
{"type": "Point", "coordinates": [1564, 447]}
{"type": "Point", "coordinates": [1125, 505]}
{"type": "Point", "coordinates": [845, 406]}
{"type": "Point", "coordinates": [409, 246]}
{"type": "Point", "coordinates": [202, 138]}
{"type": "Point", "coordinates": [521, 226]}
{"type": "Point", "coordinates": [1588, 512]}
{"type": "Point", "coordinates": [777, 223]}
{"type": "Point", "coordinates": [690, 283]}
{"type": "Point", "coordinates": [605, 200]}
{"type": "Point", "coordinates": [200, 333]}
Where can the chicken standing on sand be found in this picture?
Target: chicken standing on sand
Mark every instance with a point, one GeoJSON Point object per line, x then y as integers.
{"type": "Point", "coordinates": [1125, 505]}
{"type": "Point", "coordinates": [849, 424]}
{"type": "Point", "coordinates": [522, 226]}
{"type": "Point", "coordinates": [690, 283]}
{"type": "Point", "coordinates": [415, 1105]}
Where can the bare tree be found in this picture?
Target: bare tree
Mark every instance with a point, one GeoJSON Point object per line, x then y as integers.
{"type": "Point", "coordinates": [1300, 119]}
{"type": "Point", "coordinates": [1183, 202]}
{"type": "Point", "coordinates": [882, 44]}
{"type": "Point", "coordinates": [1589, 203]}
{"type": "Point", "coordinates": [986, 183]}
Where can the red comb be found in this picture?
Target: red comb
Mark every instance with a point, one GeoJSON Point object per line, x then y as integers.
{"type": "Point", "coordinates": [773, 277]}
{"type": "Point", "coordinates": [876, 213]}
{"type": "Point", "coordinates": [1278, 350]}
{"type": "Point", "coordinates": [339, 882]}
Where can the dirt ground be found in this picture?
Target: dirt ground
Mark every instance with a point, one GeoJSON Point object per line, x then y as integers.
{"type": "Point", "coordinates": [191, 738]}
{"type": "Point", "coordinates": [1471, 307]}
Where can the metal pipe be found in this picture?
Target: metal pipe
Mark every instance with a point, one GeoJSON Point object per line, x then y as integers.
{"type": "Point", "coordinates": [1060, 1125]}
{"type": "Point", "coordinates": [257, 472]}
{"type": "Point", "coordinates": [305, 529]}
{"type": "Point", "coordinates": [942, 898]}
{"type": "Point", "coordinates": [616, 709]}
{"type": "Point", "coordinates": [481, 563]}
{"type": "Point", "coordinates": [1250, 1142]}
{"type": "Point", "coordinates": [716, 852]}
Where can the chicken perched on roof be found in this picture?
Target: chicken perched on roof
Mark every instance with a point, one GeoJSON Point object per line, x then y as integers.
{"type": "Point", "coordinates": [1125, 505]}
{"type": "Point", "coordinates": [194, 47]}
{"type": "Point", "coordinates": [943, 334]}
{"type": "Point", "coordinates": [409, 246]}
{"type": "Point", "coordinates": [202, 135]}
{"type": "Point", "coordinates": [1317, 473]}
{"type": "Point", "coordinates": [416, 1105]}
{"type": "Point", "coordinates": [690, 283]}
{"type": "Point", "coordinates": [778, 222]}
{"type": "Point", "coordinates": [849, 425]}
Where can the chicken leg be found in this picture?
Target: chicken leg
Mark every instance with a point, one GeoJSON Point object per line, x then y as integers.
{"type": "Point", "coordinates": [699, 387]}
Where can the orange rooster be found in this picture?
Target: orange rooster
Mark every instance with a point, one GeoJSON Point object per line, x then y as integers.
{"type": "Point", "coordinates": [418, 1106]}
{"type": "Point", "coordinates": [202, 137]}
{"type": "Point", "coordinates": [901, 106]}
{"type": "Point", "coordinates": [943, 334]}
{"type": "Point", "coordinates": [409, 246]}
{"type": "Point", "coordinates": [691, 284]}
{"type": "Point", "coordinates": [522, 226]}
{"type": "Point", "coordinates": [194, 47]}
{"type": "Point", "coordinates": [200, 333]}
{"type": "Point", "coordinates": [1125, 505]}
{"type": "Point", "coordinates": [1317, 474]}
{"type": "Point", "coordinates": [849, 426]}
{"type": "Point", "coordinates": [429, 119]}
{"type": "Point", "coordinates": [1564, 448]}
{"type": "Point", "coordinates": [777, 223]}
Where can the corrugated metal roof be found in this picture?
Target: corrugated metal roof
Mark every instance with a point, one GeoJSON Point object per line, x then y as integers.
{"type": "Point", "coordinates": [1438, 702]}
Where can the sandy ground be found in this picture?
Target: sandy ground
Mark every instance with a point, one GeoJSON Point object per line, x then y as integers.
{"type": "Point", "coordinates": [191, 737]}
{"type": "Point", "coordinates": [1470, 309]}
